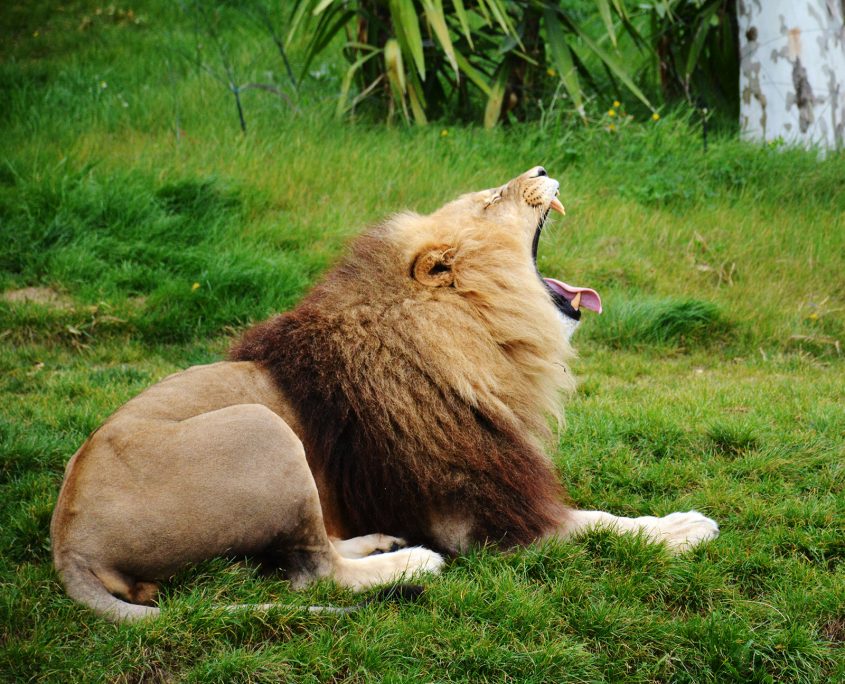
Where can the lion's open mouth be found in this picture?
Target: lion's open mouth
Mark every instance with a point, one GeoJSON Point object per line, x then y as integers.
{"type": "Point", "coordinates": [567, 298]}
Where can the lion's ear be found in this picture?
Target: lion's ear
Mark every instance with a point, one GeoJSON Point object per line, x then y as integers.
{"type": "Point", "coordinates": [433, 266]}
{"type": "Point", "coordinates": [493, 198]}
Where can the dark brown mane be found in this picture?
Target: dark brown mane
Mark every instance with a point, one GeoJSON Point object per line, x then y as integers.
{"type": "Point", "coordinates": [395, 446]}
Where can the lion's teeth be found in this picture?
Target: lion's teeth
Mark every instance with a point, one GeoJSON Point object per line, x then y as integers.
{"type": "Point", "coordinates": [557, 206]}
{"type": "Point", "coordinates": [576, 301]}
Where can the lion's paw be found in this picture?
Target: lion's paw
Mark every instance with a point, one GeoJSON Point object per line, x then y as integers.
{"type": "Point", "coordinates": [414, 560]}
{"type": "Point", "coordinates": [386, 568]}
{"type": "Point", "coordinates": [368, 545]}
{"type": "Point", "coordinates": [383, 543]}
{"type": "Point", "coordinates": [683, 530]}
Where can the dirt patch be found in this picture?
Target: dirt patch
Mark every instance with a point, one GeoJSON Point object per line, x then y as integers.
{"type": "Point", "coordinates": [834, 631]}
{"type": "Point", "coordinates": [46, 296]}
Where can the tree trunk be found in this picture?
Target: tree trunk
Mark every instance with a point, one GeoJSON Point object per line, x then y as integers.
{"type": "Point", "coordinates": [792, 71]}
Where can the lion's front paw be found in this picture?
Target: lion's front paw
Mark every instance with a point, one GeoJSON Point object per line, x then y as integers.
{"type": "Point", "coordinates": [682, 531]}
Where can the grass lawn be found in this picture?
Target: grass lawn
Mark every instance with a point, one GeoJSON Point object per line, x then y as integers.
{"type": "Point", "coordinates": [140, 231]}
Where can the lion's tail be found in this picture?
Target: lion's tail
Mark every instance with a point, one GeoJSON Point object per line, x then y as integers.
{"type": "Point", "coordinates": [84, 586]}
{"type": "Point", "coordinates": [396, 593]}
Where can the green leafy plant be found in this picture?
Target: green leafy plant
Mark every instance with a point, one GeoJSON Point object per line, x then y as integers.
{"type": "Point", "coordinates": [695, 50]}
{"type": "Point", "coordinates": [432, 56]}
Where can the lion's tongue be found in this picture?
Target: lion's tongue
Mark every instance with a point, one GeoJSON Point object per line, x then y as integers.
{"type": "Point", "coordinates": [589, 298]}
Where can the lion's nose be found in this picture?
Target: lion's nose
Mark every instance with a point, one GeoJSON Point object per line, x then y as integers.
{"type": "Point", "coordinates": [538, 171]}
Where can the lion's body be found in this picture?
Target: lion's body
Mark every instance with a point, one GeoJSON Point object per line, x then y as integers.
{"type": "Point", "coordinates": [408, 394]}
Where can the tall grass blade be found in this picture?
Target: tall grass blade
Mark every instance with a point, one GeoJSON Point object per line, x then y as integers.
{"type": "Point", "coordinates": [434, 14]}
{"type": "Point", "coordinates": [563, 60]}
{"type": "Point", "coordinates": [607, 59]}
{"type": "Point", "coordinates": [607, 18]}
{"type": "Point", "coordinates": [473, 74]}
{"type": "Point", "coordinates": [461, 13]}
{"type": "Point", "coordinates": [405, 22]}
{"type": "Point", "coordinates": [701, 33]}
{"type": "Point", "coordinates": [349, 76]}
{"type": "Point", "coordinates": [497, 95]}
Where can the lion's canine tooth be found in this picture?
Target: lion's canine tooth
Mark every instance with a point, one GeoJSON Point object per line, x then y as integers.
{"type": "Point", "coordinates": [576, 301]}
{"type": "Point", "coordinates": [557, 206]}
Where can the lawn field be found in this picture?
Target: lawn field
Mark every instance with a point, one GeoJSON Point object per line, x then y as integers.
{"type": "Point", "coordinates": [141, 231]}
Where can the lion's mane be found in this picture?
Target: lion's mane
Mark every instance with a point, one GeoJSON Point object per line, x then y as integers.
{"type": "Point", "coordinates": [418, 402]}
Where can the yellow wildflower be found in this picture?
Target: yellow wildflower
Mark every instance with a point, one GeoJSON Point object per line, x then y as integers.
{"type": "Point", "coordinates": [611, 112]}
{"type": "Point", "coordinates": [444, 133]}
{"type": "Point", "coordinates": [655, 117]}
{"type": "Point", "coordinates": [551, 72]}
{"type": "Point", "coordinates": [617, 104]}
{"type": "Point", "coordinates": [611, 128]}
{"type": "Point", "coordinates": [195, 287]}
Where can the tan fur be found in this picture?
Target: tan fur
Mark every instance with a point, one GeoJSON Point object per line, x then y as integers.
{"type": "Point", "coordinates": [408, 394]}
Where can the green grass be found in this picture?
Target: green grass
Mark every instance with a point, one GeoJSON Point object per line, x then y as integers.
{"type": "Point", "coordinates": [713, 380]}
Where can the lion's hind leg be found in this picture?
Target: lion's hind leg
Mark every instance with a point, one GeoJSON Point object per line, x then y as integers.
{"type": "Point", "coordinates": [385, 568]}
{"type": "Point", "coordinates": [259, 497]}
{"type": "Point", "coordinates": [679, 531]}
{"type": "Point", "coordinates": [305, 561]}
{"type": "Point", "coordinates": [286, 505]}
{"type": "Point", "coordinates": [312, 556]}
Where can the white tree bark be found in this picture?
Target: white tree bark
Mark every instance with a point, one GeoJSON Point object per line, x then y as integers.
{"type": "Point", "coordinates": [792, 71]}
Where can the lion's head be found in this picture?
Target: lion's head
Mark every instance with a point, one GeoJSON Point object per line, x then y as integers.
{"type": "Point", "coordinates": [468, 273]}
{"type": "Point", "coordinates": [512, 216]}
{"type": "Point", "coordinates": [434, 345]}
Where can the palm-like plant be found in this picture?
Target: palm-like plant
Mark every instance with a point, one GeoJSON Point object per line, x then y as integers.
{"type": "Point", "coordinates": [695, 48]}
{"type": "Point", "coordinates": [430, 56]}
{"type": "Point", "coordinates": [426, 53]}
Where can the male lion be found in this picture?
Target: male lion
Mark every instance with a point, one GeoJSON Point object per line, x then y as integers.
{"type": "Point", "coordinates": [408, 394]}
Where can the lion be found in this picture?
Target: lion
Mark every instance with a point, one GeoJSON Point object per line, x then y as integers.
{"type": "Point", "coordinates": [403, 407]}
